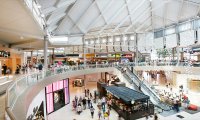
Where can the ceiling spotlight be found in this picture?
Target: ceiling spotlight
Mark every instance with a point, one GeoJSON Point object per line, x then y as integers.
{"type": "Point", "coordinates": [86, 42]}
{"type": "Point", "coordinates": [110, 40]}
{"type": "Point", "coordinates": [21, 37]}
{"type": "Point", "coordinates": [42, 15]}
{"type": "Point", "coordinates": [124, 38]}
{"type": "Point", "coordinates": [97, 41]}
{"type": "Point", "coordinates": [91, 42]}
{"type": "Point", "coordinates": [39, 6]}
{"type": "Point", "coordinates": [132, 37]}
{"type": "Point", "coordinates": [117, 39]}
{"type": "Point", "coordinates": [104, 41]}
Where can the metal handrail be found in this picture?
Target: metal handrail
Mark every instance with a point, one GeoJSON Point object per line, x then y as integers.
{"type": "Point", "coordinates": [149, 90]}
{"type": "Point", "coordinates": [24, 82]}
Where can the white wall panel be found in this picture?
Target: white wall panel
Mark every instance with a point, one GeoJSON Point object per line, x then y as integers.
{"type": "Point", "coordinates": [91, 48]}
{"type": "Point", "coordinates": [117, 46]}
{"type": "Point", "coordinates": [141, 44]}
{"type": "Point", "coordinates": [124, 46]}
{"type": "Point", "coordinates": [110, 47]}
{"type": "Point", "coordinates": [131, 45]}
{"type": "Point", "coordinates": [187, 38]}
{"type": "Point", "coordinates": [171, 41]}
{"type": "Point", "coordinates": [80, 49]}
{"type": "Point", "coordinates": [97, 48]}
{"type": "Point", "coordinates": [158, 43]}
{"type": "Point", "coordinates": [104, 48]}
{"type": "Point", "coordinates": [69, 50]}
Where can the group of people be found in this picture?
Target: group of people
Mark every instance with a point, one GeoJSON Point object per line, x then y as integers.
{"type": "Point", "coordinates": [82, 103]}
{"type": "Point", "coordinates": [79, 104]}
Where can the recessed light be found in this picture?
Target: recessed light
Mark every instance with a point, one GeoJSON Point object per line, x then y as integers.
{"type": "Point", "coordinates": [21, 37]}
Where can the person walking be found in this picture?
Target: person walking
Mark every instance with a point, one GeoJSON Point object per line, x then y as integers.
{"type": "Point", "coordinates": [88, 92]}
{"type": "Point", "coordinates": [99, 103]}
{"type": "Point", "coordinates": [155, 116]}
{"type": "Point", "coordinates": [73, 105]}
{"type": "Point", "coordinates": [89, 103]}
{"type": "Point", "coordinates": [103, 103]}
{"type": "Point", "coordinates": [92, 111]}
{"type": "Point", "coordinates": [4, 69]}
{"type": "Point", "coordinates": [91, 96]}
{"type": "Point", "coordinates": [8, 71]}
{"type": "Point", "coordinates": [76, 100]}
{"type": "Point", "coordinates": [85, 93]}
{"type": "Point", "coordinates": [80, 100]}
{"type": "Point", "coordinates": [79, 109]}
{"type": "Point", "coordinates": [95, 96]}
{"type": "Point", "coordinates": [84, 103]}
{"type": "Point", "coordinates": [99, 114]}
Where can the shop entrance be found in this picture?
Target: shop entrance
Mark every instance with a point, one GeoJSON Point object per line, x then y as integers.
{"type": "Point", "coordinates": [59, 99]}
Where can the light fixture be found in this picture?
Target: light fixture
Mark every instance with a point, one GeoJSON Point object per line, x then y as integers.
{"type": "Point", "coordinates": [104, 41]}
{"type": "Point", "coordinates": [97, 41]}
{"type": "Point", "coordinates": [110, 40]}
{"type": "Point", "coordinates": [58, 39]}
{"type": "Point", "coordinates": [39, 6]}
{"type": "Point", "coordinates": [132, 102]}
{"type": "Point", "coordinates": [42, 15]}
{"type": "Point", "coordinates": [132, 37]}
{"type": "Point", "coordinates": [117, 39]}
{"type": "Point", "coordinates": [124, 38]}
{"type": "Point", "coordinates": [21, 37]}
{"type": "Point", "coordinates": [86, 42]}
{"type": "Point", "coordinates": [91, 42]}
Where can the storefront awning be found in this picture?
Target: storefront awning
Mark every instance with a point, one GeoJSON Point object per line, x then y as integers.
{"type": "Point", "coordinates": [126, 94]}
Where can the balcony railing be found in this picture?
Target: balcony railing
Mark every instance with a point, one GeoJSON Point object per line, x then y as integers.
{"type": "Point", "coordinates": [20, 85]}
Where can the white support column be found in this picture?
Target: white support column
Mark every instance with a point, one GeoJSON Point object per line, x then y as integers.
{"type": "Point", "coordinates": [84, 52]}
{"type": "Point", "coordinates": [31, 62]}
{"type": "Point", "coordinates": [178, 44]}
{"type": "Point", "coordinates": [136, 49]}
{"type": "Point", "coordinates": [178, 55]}
{"type": "Point", "coordinates": [45, 51]}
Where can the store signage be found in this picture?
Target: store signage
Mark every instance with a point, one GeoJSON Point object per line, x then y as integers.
{"type": "Point", "coordinates": [67, 55]}
{"type": "Point", "coordinates": [102, 55]}
{"type": "Point", "coordinates": [4, 54]}
{"type": "Point", "coordinates": [115, 55]}
{"type": "Point", "coordinates": [126, 55]}
{"type": "Point", "coordinates": [132, 102]}
{"type": "Point", "coordinates": [72, 55]}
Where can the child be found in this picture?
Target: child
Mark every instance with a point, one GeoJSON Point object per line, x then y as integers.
{"type": "Point", "coordinates": [99, 114]}
{"type": "Point", "coordinates": [92, 111]}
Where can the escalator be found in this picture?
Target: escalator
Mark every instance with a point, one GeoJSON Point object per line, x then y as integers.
{"type": "Point", "coordinates": [146, 89]}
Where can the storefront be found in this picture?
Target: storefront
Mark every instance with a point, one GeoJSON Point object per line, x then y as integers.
{"type": "Point", "coordinates": [129, 103]}
{"type": "Point", "coordinates": [57, 95]}
{"type": "Point", "coordinates": [78, 82]}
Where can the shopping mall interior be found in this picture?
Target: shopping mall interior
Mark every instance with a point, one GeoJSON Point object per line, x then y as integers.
{"type": "Point", "coordinates": [100, 59]}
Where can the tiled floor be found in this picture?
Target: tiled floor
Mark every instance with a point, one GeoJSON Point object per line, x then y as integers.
{"type": "Point", "coordinates": [67, 112]}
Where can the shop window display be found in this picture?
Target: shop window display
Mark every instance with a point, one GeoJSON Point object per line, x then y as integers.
{"type": "Point", "coordinates": [78, 82]}
{"type": "Point", "coordinates": [57, 95]}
